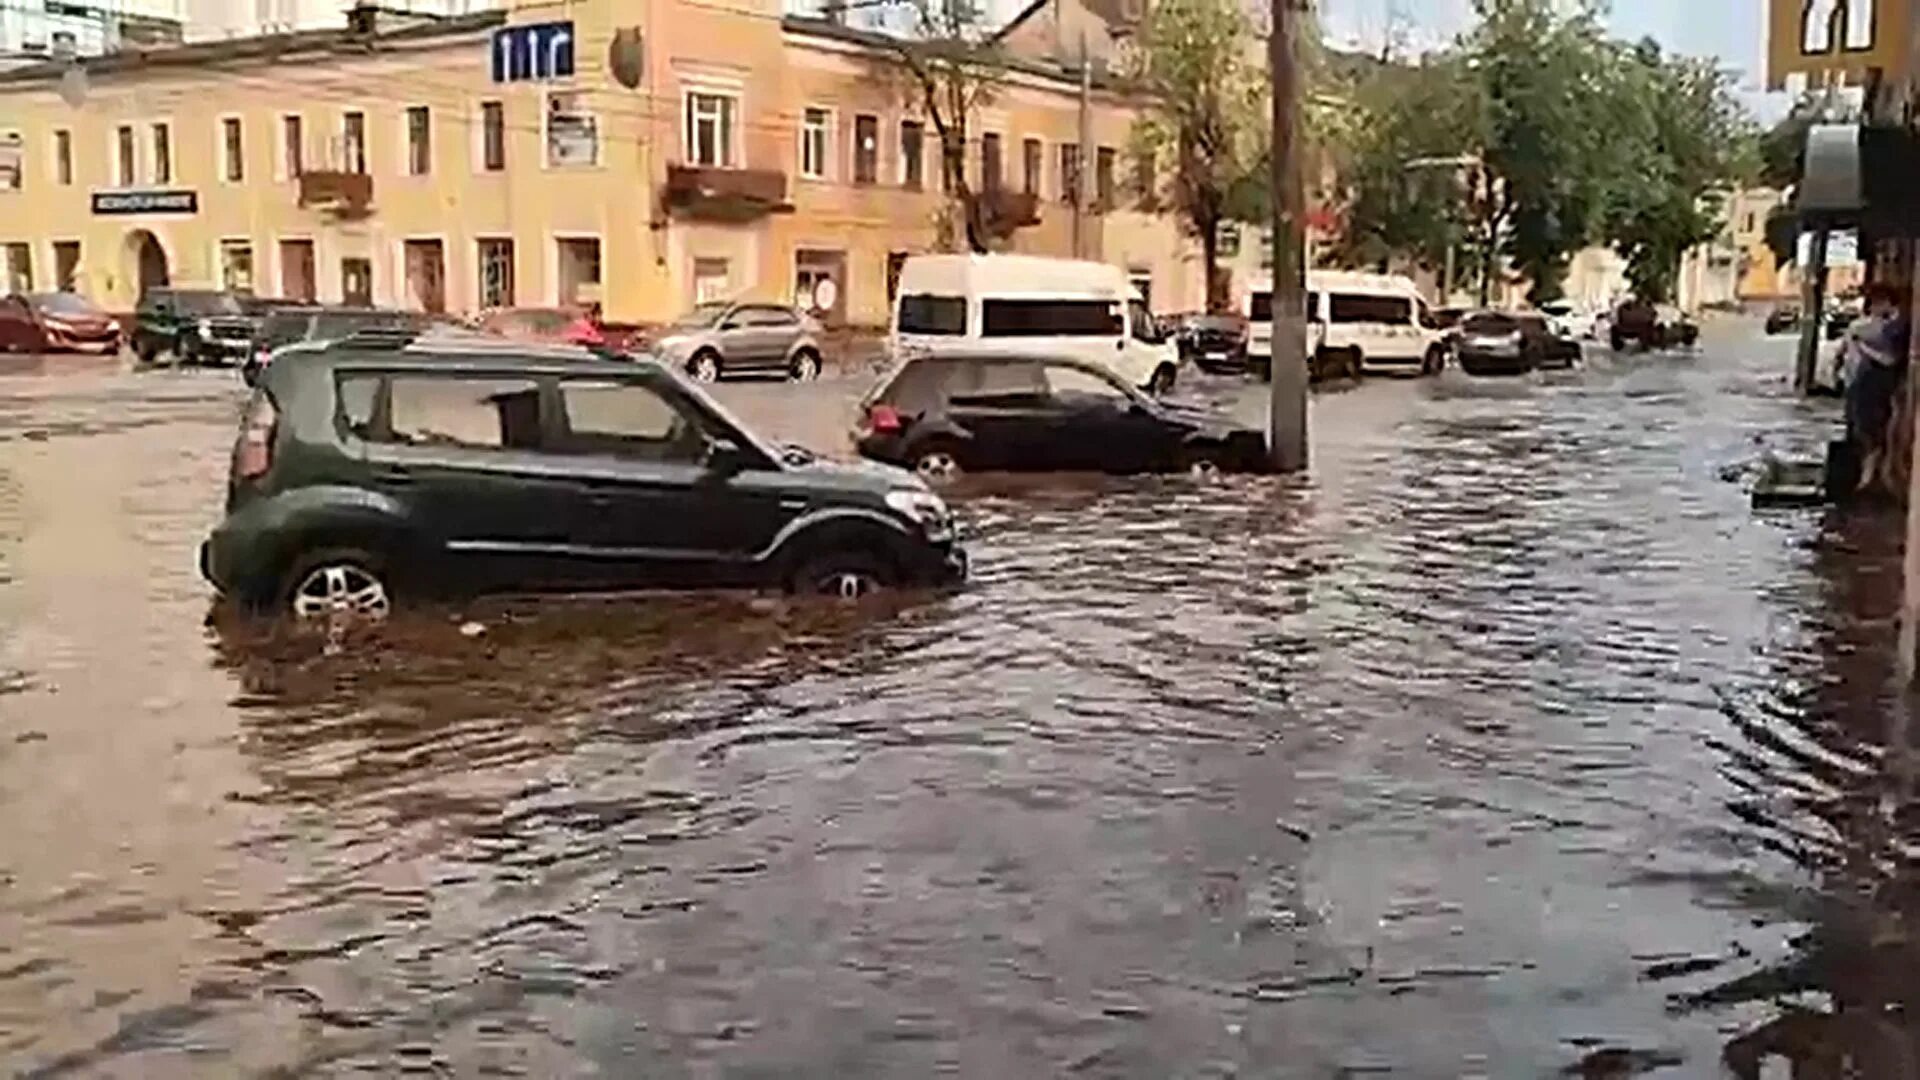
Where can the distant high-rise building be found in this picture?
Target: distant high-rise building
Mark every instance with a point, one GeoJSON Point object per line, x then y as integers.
{"type": "Point", "coordinates": [54, 28]}
{"type": "Point", "coordinates": [211, 20]}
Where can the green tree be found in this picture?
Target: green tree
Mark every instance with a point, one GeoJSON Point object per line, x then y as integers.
{"type": "Point", "coordinates": [1680, 140]}
{"type": "Point", "coordinates": [946, 61]}
{"type": "Point", "coordinates": [1548, 133]}
{"type": "Point", "coordinates": [1405, 167]}
{"type": "Point", "coordinates": [1204, 113]}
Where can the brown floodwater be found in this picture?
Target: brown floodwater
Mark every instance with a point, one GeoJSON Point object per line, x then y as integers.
{"type": "Point", "coordinates": [1512, 742]}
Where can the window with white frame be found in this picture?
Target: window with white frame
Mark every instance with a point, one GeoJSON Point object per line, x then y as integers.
{"type": "Point", "coordinates": [233, 150]}
{"type": "Point", "coordinates": [63, 157]}
{"type": "Point", "coordinates": [13, 160]}
{"type": "Point", "coordinates": [496, 272]}
{"type": "Point", "coordinates": [236, 265]}
{"type": "Point", "coordinates": [493, 136]}
{"type": "Point", "coordinates": [162, 163]}
{"type": "Point", "coordinates": [815, 136]}
{"type": "Point", "coordinates": [866, 149]}
{"type": "Point", "coordinates": [419, 140]}
{"type": "Point", "coordinates": [353, 142]}
{"type": "Point", "coordinates": [573, 131]}
{"type": "Point", "coordinates": [711, 119]}
{"type": "Point", "coordinates": [123, 155]}
{"type": "Point", "coordinates": [292, 146]}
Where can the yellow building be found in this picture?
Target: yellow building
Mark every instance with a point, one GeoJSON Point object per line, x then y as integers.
{"type": "Point", "coordinates": [646, 156]}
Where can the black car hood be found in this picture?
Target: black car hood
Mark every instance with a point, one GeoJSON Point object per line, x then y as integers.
{"type": "Point", "coordinates": [1203, 421]}
{"type": "Point", "coordinates": [866, 475]}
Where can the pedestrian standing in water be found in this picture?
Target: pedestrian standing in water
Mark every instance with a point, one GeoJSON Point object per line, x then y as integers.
{"type": "Point", "coordinates": [1874, 358]}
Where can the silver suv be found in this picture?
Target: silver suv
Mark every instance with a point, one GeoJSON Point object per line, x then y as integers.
{"type": "Point", "coordinates": [726, 338]}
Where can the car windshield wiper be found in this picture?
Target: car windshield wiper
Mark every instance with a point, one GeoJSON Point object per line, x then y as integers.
{"type": "Point", "coordinates": [795, 454]}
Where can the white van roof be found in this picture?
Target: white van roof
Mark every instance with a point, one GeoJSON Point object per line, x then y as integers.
{"type": "Point", "coordinates": [1021, 276]}
{"type": "Point", "coordinates": [1348, 281]}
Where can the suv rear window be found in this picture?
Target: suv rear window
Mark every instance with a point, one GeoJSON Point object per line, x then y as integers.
{"type": "Point", "coordinates": [942, 315]}
{"type": "Point", "coordinates": [485, 414]}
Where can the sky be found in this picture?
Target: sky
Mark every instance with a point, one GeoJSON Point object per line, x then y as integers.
{"type": "Point", "coordinates": [1734, 33]}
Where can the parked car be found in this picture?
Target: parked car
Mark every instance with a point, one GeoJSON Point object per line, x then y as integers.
{"type": "Point", "coordinates": [194, 326]}
{"type": "Point", "coordinates": [1508, 343]}
{"type": "Point", "coordinates": [945, 415]}
{"type": "Point", "coordinates": [988, 304]}
{"type": "Point", "coordinates": [55, 322]}
{"type": "Point", "coordinates": [1783, 320]}
{"type": "Point", "coordinates": [552, 326]}
{"type": "Point", "coordinates": [1650, 326]}
{"type": "Point", "coordinates": [1566, 319]}
{"type": "Point", "coordinates": [1355, 323]}
{"type": "Point", "coordinates": [294, 326]}
{"type": "Point", "coordinates": [1213, 343]}
{"type": "Point", "coordinates": [720, 339]}
{"type": "Point", "coordinates": [365, 475]}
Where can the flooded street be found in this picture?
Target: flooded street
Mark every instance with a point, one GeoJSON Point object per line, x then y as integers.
{"type": "Point", "coordinates": [1511, 740]}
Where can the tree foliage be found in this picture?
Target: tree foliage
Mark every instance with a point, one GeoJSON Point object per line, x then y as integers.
{"type": "Point", "coordinates": [944, 60]}
{"type": "Point", "coordinates": [1580, 138]}
{"type": "Point", "coordinates": [1205, 115]}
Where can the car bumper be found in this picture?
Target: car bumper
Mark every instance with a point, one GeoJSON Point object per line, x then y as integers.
{"type": "Point", "coordinates": [937, 566]}
{"type": "Point", "coordinates": [96, 343]}
{"type": "Point", "coordinates": [1475, 362]}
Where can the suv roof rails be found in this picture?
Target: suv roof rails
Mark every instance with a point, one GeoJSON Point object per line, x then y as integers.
{"type": "Point", "coordinates": [377, 339]}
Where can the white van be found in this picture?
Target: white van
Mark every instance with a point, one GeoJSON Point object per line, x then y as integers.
{"type": "Point", "coordinates": [1355, 322]}
{"type": "Point", "coordinates": [1057, 307]}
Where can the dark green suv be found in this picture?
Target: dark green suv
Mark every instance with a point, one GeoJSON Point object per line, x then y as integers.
{"type": "Point", "coordinates": [379, 470]}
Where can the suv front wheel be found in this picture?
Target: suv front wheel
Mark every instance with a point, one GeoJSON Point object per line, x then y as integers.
{"type": "Point", "coordinates": [339, 583]}
{"type": "Point", "coordinates": [842, 575]}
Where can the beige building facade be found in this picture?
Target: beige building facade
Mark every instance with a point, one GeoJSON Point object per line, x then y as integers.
{"type": "Point", "coordinates": [690, 151]}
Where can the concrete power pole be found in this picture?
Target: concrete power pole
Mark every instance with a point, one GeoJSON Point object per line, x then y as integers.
{"type": "Point", "coordinates": [1287, 438]}
{"type": "Point", "coordinates": [1084, 134]}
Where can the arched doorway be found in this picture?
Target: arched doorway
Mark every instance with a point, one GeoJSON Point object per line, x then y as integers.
{"type": "Point", "coordinates": [145, 262]}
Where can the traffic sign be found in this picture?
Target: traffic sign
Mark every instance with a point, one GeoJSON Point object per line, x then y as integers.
{"type": "Point", "coordinates": [533, 52]}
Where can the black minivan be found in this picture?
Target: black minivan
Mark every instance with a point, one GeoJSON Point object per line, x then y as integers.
{"type": "Point", "coordinates": [379, 470]}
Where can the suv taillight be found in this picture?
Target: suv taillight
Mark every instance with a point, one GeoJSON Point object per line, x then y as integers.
{"type": "Point", "coordinates": [883, 419]}
{"type": "Point", "coordinates": [253, 450]}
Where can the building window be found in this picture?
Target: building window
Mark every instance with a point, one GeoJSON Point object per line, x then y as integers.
{"type": "Point", "coordinates": [1070, 174]}
{"type": "Point", "coordinates": [573, 132]}
{"type": "Point", "coordinates": [710, 124]}
{"type": "Point", "coordinates": [814, 135]}
{"type": "Point", "coordinates": [297, 279]}
{"type": "Point", "coordinates": [419, 140]}
{"type": "Point", "coordinates": [496, 273]}
{"type": "Point", "coordinates": [990, 163]}
{"type": "Point", "coordinates": [1146, 175]}
{"type": "Point", "coordinates": [356, 282]}
{"type": "Point", "coordinates": [1030, 166]}
{"type": "Point", "coordinates": [493, 136]}
{"type": "Point", "coordinates": [236, 265]}
{"type": "Point", "coordinates": [66, 265]}
{"type": "Point", "coordinates": [13, 161]}
{"type": "Point", "coordinates": [866, 149]}
{"type": "Point", "coordinates": [1103, 177]}
{"type": "Point", "coordinates": [233, 150]}
{"type": "Point", "coordinates": [913, 158]}
{"type": "Point", "coordinates": [19, 268]}
{"type": "Point", "coordinates": [123, 155]}
{"type": "Point", "coordinates": [712, 281]}
{"type": "Point", "coordinates": [353, 138]}
{"type": "Point", "coordinates": [579, 265]}
{"type": "Point", "coordinates": [63, 157]}
{"type": "Point", "coordinates": [162, 153]}
{"type": "Point", "coordinates": [292, 147]}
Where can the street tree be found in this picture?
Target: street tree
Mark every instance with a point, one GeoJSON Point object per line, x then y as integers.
{"type": "Point", "coordinates": [1548, 133]}
{"type": "Point", "coordinates": [1203, 113]}
{"type": "Point", "coordinates": [1679, 142]}
{"type": "Point", "coordinates": [943, 58]}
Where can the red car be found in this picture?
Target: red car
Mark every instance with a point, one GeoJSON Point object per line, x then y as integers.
{"type": "Point", "coordinates": [56, 322]}
{"type": "Point", "coordinates": [550, 326]}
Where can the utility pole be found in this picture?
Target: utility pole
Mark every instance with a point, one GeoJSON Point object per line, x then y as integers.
{"type": "Point", "coordinates": [1287, 416]}
{"type": "Point", "coordinates": [1813, 317]}
{"type": "Point", "coordinates": [1084, 135]}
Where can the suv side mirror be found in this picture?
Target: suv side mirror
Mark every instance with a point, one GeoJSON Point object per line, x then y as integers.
{"type": "Point", "coordinates": [725, 457]}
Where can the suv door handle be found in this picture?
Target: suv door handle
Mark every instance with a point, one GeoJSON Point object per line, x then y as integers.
{"type": "Point", "coordinates": [397, 475]}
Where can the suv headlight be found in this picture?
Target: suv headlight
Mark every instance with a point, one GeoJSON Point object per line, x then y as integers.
{"type": "Point", "coordinates": [205, 326]}
{"type": "Point", "coordinates": [925, 509]}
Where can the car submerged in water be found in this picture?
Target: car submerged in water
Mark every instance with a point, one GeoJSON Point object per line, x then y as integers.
{"type": "Point", "coordinates": [1513, 343]}
{"type": "Point", "coordinates": [945, 415]}
{"type": "Point", "coordinates": [379, 470]}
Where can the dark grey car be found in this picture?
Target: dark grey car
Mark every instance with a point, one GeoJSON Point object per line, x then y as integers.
{"type": "Point", "coordinates": [714, 340]}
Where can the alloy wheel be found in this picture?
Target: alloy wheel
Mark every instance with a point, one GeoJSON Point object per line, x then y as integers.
{"type": "Point", "coordinates": [937, 466]}
{"type": "Point", "coordinates": [847, 584]}
{"type": "Point", "coordinates": [705, 368]}
{"type": "Point", "coordinates": [806, 367]}
{"type": "Point", "coordinates": [1203, 469]}
{"type": "Point", "coordinates": [341, 590]}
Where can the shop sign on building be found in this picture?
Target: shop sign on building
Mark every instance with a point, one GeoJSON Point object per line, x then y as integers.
{"type": "Point", "coordinates": [114, 203]}
{"type": "Point", "coordinates": [1836, 40]}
